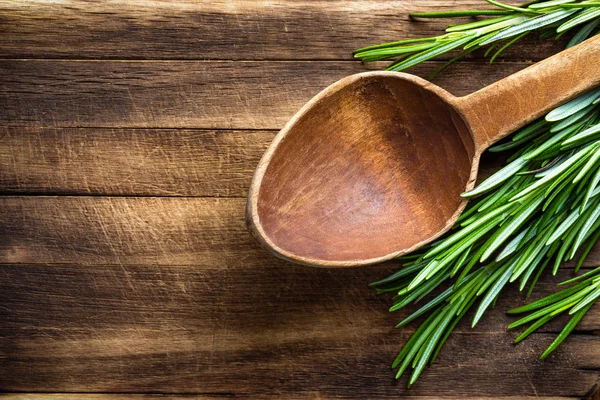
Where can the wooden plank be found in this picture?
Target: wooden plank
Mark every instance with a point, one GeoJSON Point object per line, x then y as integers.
{"type": "Point", "coordinates": [148, 162]}
{"type": "Point", "coordinates": [104, 230]}
{"type": "Point", "coordinates": [134, 231]}
{"type": "Point", "coordinates": [186, 94]}
{"type": "Point", "coordinates": [294, 332]}
{"type": "Point", "coordinates": [288, 29]}
{"type": "Point", "coordinates": [104, 396]}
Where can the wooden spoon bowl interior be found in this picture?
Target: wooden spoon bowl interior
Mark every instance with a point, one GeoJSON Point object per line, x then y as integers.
{"type": "Point", "coordinates": [354, 177]}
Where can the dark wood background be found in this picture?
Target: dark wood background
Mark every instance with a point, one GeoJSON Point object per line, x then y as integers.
{"type": "Point", "coordinates": [129, 132]}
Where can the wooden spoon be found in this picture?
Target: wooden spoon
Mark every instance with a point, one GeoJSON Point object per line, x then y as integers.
{"type": "Point", "coordinates": [373, 166]}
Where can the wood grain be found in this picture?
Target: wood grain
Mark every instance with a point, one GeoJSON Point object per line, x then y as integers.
{"type": "Point", "coordinates": [107, 297]}
{"type": "Point", "coordinates": [148, 162]}
{"type": "Point", "coordinates": [287, 29]}
{"type": "Point", "coordinates": [301, 332]}
{"type": "Point", "coordinates": [104, 396]}
{"type": "Point", "coordinates": [185, 94]}
{"type": "Point", "coordinates": [137, 162]}
{"type": "Point", "coordinates": [132, 231]}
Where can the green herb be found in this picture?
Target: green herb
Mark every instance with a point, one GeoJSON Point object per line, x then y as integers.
{"type": "Point", "coordinates": [529, 217]}
{"type": "Point", "coordinates": [510, 24]}
{"type": "Point", "coordinates": [520, 224]}
{"type": "Point", "coordinates": [576, 300]}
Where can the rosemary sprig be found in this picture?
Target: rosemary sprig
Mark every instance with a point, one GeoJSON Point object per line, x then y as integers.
{"type": "Point", "coordinates": [576, 300]}
{"type": "Point", "coordinates": [521, 225]}
{"type": "Point", "coordinates": [510, 24]}
{"type": "Point", "coordinates": [529, 217]}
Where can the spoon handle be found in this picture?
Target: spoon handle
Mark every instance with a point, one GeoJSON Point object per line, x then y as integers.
{"type": "Point", "coordinates": [507, 105]}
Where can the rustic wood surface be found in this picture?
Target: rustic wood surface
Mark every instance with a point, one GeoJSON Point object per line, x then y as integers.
{"type": "Point", "coordinates": [128, 138]}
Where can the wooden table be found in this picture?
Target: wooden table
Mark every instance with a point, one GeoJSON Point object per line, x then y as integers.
{"type": "Point", "coordinates": [129, 134]}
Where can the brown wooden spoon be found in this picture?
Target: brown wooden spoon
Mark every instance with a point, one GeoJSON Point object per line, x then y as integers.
{"type": "Point", "coordinates": [373, 166]}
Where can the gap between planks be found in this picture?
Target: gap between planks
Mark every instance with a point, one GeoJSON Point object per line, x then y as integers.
{"type": "Point", "coordinates": [32, 395]}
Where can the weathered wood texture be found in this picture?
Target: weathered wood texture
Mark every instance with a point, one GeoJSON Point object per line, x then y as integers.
{"type": "Point", "coordinates": [239, 29]}
{"type": "Point", "coordinates": [208, 232]}
{"type": "Point", "coordinates": [185, 94]}
{"type": "Point", "coordinates": [87, 396]}
{"type": "Point", "coordinates": [301, 332]}
{"type": "Point", "coordinates": [149, 162]}
{"type": "Point", "coordinates": [169, 295]}
{"type": "Point", "coordinates": [138, 162]}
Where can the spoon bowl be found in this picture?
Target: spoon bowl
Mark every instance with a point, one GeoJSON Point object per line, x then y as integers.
{"type": "Point", "coordinates": [367, 159]}
{"type": "Point", "coordinates": [373, 167]}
